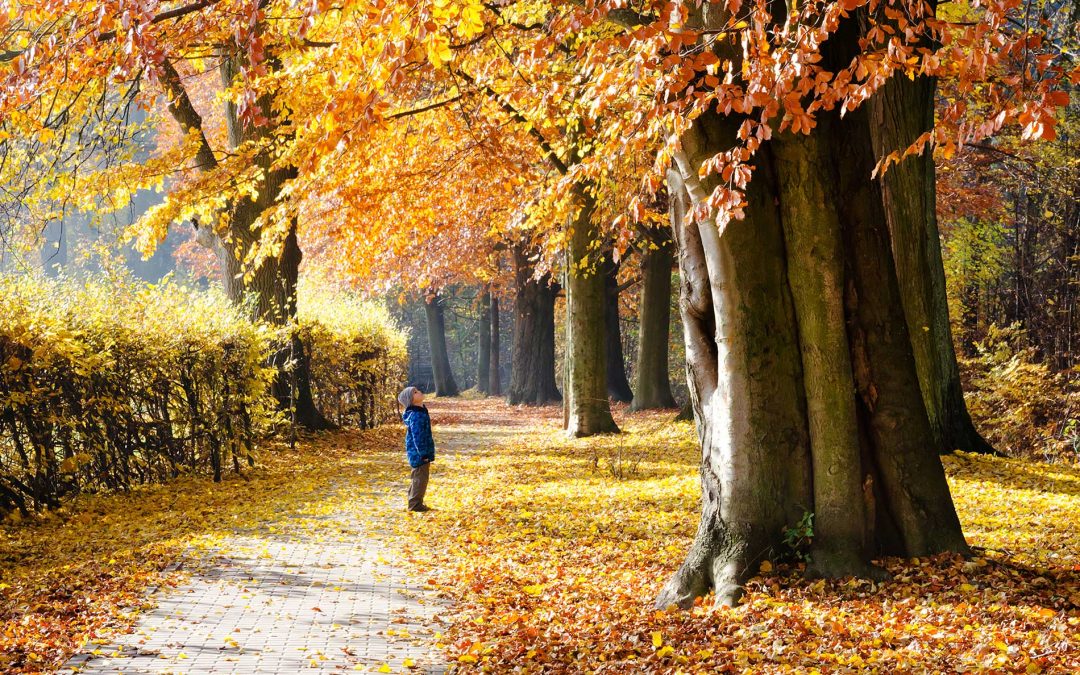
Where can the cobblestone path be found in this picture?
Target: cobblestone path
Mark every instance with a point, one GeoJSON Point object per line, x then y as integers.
{"type": "Point", "coordinates": [267, 601]}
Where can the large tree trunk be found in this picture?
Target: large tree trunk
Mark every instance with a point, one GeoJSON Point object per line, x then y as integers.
{"type": "Point", "coordinates": [440, 359]}
{"type": "Point", "coordinates": [900, 113]}
{"type": "Point", "coordinates": [786, 314]}
{"type": "Point", "coordinates": [483, 357]}
{"type": "Point", "coordinates": [815, 263]}
{"type": "Point", "coordinates": [271, 287]}
{"type": "Point", "coordinates": [532, 364]}
{"type": "Point", "coordinates": [745, 379]}
{"type": "Point", "coordinates": [916, 499]}
{"type": "Point", "coordinates": [292, 384]}
{"type": "Point", "coordinates": [495, 368]}
{"type": "Point", "coordinates": [588, 409]}
{"type": "Point", "coordinates": [653, 387]}
{"type": "Point", "coordinates": [618, 385]}
{"type": "Point", "coordinates": [273, 284]}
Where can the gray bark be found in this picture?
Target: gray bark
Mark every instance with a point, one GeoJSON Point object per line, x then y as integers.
{"type": "Point", "coordinates": [745, 379]}
{"type": "Point", "coordinates": [774, 409]}
{"type": "Point", "coordinates": [532, 367]}
{"type": "Point", "coordinates": [588, 409]}
{"type": "Point", "coordinates": [815, 263]}
{"type": "Point", "coordinates": [618, 384]}
{"type": "Point", "coordinates": [495, 369]}
{"type": "Point", "coordinates": [483, 357]}
{"type": "Point", "coordinates": [445, 385]}
{"type": "Point", "coordinates": [653, 387]}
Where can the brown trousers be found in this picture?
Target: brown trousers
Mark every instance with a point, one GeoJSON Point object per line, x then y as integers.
{"type": "Point", "coordinates": [418, 487]}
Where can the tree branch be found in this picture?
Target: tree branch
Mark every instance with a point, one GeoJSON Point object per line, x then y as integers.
{"type": "Point", "coordinates": [176, 13]}
{"type": "Point", "coordinates": [182, 110]}
{"type": "Point", "coordinates": [110, 35]}
{"type": "Point", "coordinates": [552, 156]}
{"type": "Point", "coordinates": [423, 109]}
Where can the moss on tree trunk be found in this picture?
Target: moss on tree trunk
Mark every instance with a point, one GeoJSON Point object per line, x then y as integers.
{"type": "Point", "coordinates": [899, 113]}
{"type": "Point", "coordinates": [801, 369]}
{"type": "Point", "coordinates": [588, 409]}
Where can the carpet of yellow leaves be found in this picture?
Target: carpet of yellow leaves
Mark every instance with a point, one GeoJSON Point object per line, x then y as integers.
{"type": "Point", "coordinates": [552, 551]}
{"type": "Point", "coordinates": [72, 576]}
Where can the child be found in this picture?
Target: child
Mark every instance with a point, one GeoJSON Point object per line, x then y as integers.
{"type": "Point", "coordinates": [419, 445]}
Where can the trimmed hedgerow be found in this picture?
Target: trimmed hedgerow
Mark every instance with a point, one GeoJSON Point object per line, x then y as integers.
{"type": "Point", "coordinates": [107, 384]}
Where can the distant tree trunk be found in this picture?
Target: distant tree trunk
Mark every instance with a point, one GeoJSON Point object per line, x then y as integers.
{"type": "Point", "coordinates": [588, 409]}
{"type": "Point", "coordinates": [440, 360]}
{"type": "Point", "coordinates": [495, 369]}
{"type": "Point", "coordinates": [532, 366]}
{"type": "Point", "coordinates": [900, 113]}
{"type": "Point", "coordinates": [653, 386]}
{"type": "Point", "coordinates": [686, 413]}
{"type": "Point", "coordinates": [483, 357]}
{"type": "Point", "coordinates": [618, 385]}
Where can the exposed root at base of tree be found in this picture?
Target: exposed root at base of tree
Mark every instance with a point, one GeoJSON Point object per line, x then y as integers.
{"type": "Point", "coordinates": [553, 562]}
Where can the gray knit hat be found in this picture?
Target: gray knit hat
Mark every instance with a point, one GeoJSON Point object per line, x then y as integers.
{"type": "Point", "coordinates": [405, 397]}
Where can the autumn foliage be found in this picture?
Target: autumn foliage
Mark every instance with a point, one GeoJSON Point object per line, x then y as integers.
{"type": "Point", "coordinates": [106, 385]}
{"type": "Point", "coordinates": [404, 147]}
{"type": "Point", "coordinates": [357, 356]}
{"type": "Point", "coordinates": [552, 555]}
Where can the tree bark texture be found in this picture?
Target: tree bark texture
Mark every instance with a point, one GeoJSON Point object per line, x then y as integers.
{"type": "Point", "coordinates": [440, 359]}
{"type": "Point", "coordinates": [653, 386]}
{"type": "Point", "coordinates": [532, 366]}
{"type": "Point", "coordinates": [270, 287]}
{"type": "Point", "coordinates": [483, 357]}
{"type": "Point", "coordinates": [588, 409]}
{"type": "Point", "coordinates": [900, 113]}
{"type": "Point", "coordinates": [495, 367]}
{"type": "Point", "coordinates": [618, 384]}
{"type": "Point", "coordinates": [802, 372]}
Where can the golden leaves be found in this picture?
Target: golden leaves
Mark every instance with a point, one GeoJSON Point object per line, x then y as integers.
{"type": "Point", "coordinates": [600, 547]}
{"type": "Point", "coordinates": [438, 50]}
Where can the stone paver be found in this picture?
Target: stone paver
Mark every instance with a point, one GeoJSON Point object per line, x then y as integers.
{"type": "Point", "coordinates": [273, 602]}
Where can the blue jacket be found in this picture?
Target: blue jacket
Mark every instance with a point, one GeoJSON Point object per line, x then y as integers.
{"type": "Point", "coordinates": [419, 445]}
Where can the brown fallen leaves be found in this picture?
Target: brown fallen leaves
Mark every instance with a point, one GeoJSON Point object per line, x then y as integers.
{"type": "Point", "coordinates": [552, 551]}
{"type": "Point", "coordinates": [553, 563]}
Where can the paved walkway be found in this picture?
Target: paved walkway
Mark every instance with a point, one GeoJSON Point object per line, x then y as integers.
{"type": "Point", "coordinates": [268, 601]}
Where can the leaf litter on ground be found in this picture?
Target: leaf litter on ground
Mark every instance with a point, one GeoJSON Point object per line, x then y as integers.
{"type": "Point", "coordinates": [551, 551]}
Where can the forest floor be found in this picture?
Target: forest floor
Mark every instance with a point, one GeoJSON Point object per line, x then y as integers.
{"type": "Point", "coordinates": [545, 555]}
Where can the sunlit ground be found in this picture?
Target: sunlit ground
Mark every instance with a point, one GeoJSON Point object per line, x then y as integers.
{"type": "Point", "coordinates": [553, 551]}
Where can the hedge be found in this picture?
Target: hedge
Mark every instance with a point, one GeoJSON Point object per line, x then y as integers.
{"type": "Point", "coordinates": [358, 356]}
{"type": "Point", "coordinates": [107, 384]}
